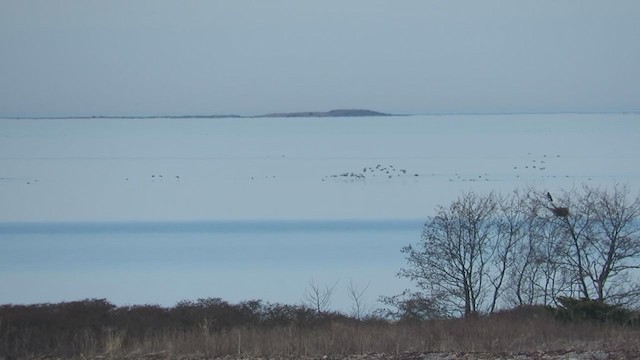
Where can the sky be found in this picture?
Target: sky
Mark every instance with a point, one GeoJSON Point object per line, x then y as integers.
{"type": "Point", "coordinates": [159, 57]}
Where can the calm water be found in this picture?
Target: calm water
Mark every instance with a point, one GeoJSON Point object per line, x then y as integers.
{"type": "Point", "coordinates": [111, 207]}
{"type": "Point", "coordinates": [166, 262]}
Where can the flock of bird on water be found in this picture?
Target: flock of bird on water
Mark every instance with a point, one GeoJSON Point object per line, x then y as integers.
{"type": "Point", "coordinates": [532, 167]}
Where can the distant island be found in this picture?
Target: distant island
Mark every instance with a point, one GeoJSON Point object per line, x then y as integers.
{"type": "Point", "coordinates": [332, 113]}
{"type": "Point", "coordinates": [304, 114]}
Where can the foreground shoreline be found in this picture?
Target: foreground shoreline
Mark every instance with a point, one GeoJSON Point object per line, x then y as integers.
{"type": "Point", "coordinates": [568, 354]}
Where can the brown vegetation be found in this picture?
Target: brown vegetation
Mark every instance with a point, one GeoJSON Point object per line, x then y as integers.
{"type": "Point", "coordinates": [213, 327]}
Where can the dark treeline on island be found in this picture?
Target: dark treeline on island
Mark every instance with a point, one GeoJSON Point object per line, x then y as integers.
{"type": "Point", "coordinates": [302, 114]}
{"type": "Point", "coordinates": [332, 113]}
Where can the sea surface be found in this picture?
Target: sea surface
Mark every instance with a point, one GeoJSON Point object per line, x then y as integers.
{"type": "Point", "coordinates": [164, 262]}
{"type": "Point", "coordinates": [161, 210]}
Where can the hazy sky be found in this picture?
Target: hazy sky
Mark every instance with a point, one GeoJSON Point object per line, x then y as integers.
{"type": "Point", "coordinates": [121, 57]}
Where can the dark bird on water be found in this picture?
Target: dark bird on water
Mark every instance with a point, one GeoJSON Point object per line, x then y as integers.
{"type": "Point", "coordinates": [549, 197]}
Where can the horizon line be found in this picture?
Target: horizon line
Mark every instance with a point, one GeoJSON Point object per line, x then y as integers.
{"type": "Point", "coordinates": [267, 116]}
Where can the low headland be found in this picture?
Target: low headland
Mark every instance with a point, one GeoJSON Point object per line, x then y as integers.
{"type": "Point", "coordinates": [332, 113]}
{"type": "Point", "coordinates": [301, 114]}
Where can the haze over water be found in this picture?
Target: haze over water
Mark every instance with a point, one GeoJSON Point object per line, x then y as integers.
{"type": "Point", "coordinates": [159, 210]}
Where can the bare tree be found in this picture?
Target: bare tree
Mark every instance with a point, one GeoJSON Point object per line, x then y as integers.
{"type": "Point", "coordinates": [356, 295]}
{"type": "Point", "coordinates": [614, 242]}
{"type": "Point", "coordinates": [450, 261]}
{"type": "Point", "coordinates": [510, 232]}
{"type": "Point", "coordinates": [576, 239]}
{"type": "Point", "coordinates": [538, 274]}
{"type": "Point", "coordinates": [550, 275]}
{"type": "Point", "coordinates": [529, 247]}
{"type": "Point", "coordinates": [524, 271]}
{"type": "Point", "coordinates": [319, 298]}
{"type": "Point", "coordinates": [602, 241]}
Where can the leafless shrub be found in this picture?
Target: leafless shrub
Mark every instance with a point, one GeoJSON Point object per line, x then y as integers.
{"type": "Point", "coordinates": [37, 330]}
{"type": "Point", "coordinates": [356, 295]}
{"type": "Point", "coordinates": [319, 298]}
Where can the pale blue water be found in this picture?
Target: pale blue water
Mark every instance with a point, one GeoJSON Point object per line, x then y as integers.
{"type": "Point", "coordinates": [170, 261]}
{"type": "Point", "coordinates": [73, 194]}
